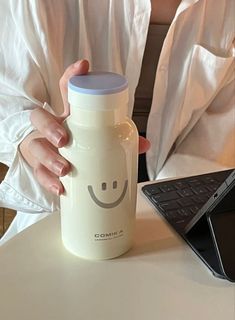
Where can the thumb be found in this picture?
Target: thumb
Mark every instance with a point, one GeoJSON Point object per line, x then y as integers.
{"type": "Point", "coordinates": [78, 68]}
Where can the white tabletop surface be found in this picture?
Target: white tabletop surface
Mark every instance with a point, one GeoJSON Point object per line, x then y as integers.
{"type": "Point", "coordinates": [160, 278]}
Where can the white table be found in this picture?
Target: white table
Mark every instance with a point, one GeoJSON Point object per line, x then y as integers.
{"type": "Point", "coordinates": [160, 278]}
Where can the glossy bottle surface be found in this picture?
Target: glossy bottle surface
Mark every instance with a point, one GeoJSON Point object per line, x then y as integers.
{"type": "Point", "coordinates": [98, 207]}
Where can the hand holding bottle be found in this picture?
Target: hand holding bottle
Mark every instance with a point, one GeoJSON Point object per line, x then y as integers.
{"type": "Point", "coordinates": [40, 148]}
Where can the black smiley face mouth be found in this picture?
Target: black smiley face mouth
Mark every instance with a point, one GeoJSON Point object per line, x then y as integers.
{"type": "Point", "coordinates": [111, 204]}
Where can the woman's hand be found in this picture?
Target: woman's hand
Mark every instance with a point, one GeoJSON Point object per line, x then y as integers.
{"type": "Point", "coordinates": [40, 148]}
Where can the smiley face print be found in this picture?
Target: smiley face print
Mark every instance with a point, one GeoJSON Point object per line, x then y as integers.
{"type": "Point", "coordinates": [104, 188]}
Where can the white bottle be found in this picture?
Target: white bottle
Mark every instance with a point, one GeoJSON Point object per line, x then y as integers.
{"type": "Point", "coordinates": [98, 207]}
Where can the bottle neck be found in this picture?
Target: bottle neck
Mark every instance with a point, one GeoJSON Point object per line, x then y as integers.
{"type": "Point", "coordinates": [99, 118]}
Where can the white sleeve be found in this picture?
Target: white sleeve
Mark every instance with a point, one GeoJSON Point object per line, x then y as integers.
{"type": "Point", "coordinates": [23, 86]}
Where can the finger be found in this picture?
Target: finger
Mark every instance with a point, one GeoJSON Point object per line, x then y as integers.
{"type": "Point", "coordinates": [48, 180]}
{"type": "Point", "coordinates": [46, 155]}
{"type": "Point", "coordinates": [49, 127]}
{"type": "Point", "coordinates": [78, 68]}
{"type": "Point", "coordinates": [144, 145]}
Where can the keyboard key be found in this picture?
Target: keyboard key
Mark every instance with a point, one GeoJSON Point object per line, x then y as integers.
{"type": "Point", "coordinates": [167, 187]}
{"type": "Point", "coordinates": [214, 181]}
{"type": "Point", "coordinates": [194, 209]}
{"type": "Point", "coordinates": [170, 215]}
{"type": "Point", "coordinates": [162, 197]}
{"type": "Point", "coordinates": [179, 222]}
{"type": "Point", "coordinates": [185, 202]}
{"type": "Point", "coordinates": [169, 205]}
{"type": "Point", "coordinates": [180, 185]}
{"type": "Point", "coordinates": [154, 189]}
{"type": "Point", "coordinates": [186, 192]}
{"type": "Point", "coordinates": [200, 199]}
{"type": "Point", "coordinates": [184, 212]}
{"type": "Point", "coordinates": [195, 183]}
{"type": "Point", "coordinates": [200, 190]}
{"type": "Point", "coordinates": [213, 187]}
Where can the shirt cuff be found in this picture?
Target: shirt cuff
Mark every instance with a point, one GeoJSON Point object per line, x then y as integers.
{"type": "Point", "coordinates": [20, 190]}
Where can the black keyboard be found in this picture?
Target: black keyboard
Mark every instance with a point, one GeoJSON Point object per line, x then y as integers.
{"type": "Point", "coordinates": [179, 200]}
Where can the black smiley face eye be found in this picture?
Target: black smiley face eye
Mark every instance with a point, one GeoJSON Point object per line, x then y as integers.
{"type": "Point", "coordinates": [103, 186]}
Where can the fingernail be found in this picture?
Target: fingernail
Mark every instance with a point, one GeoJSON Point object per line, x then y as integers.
{"type": "Point", "coordinates": [55, 189]}
{"type": "Point", "coordinates": [57, 137]}
{"type": "Point", "coordinates": [58, 167]}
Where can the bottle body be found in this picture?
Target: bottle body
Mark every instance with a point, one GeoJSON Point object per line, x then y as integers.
{"type": "Point", "coordinates": [99, 204]}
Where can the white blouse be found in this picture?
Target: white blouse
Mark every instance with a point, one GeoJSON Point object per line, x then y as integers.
{"type": "Point", "coordinates": [191, 124]}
